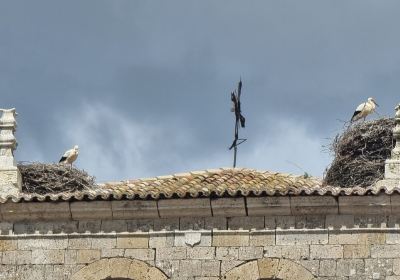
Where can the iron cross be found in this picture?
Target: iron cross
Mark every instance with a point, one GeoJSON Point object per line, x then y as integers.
{"type": "Point", "coordinates": [239, 120]}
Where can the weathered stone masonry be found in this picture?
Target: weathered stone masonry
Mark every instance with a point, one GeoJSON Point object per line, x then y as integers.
{"type": "Point", "coordinates": [286, 237]}
{"type": "Point", "coordinates": [234, 224]}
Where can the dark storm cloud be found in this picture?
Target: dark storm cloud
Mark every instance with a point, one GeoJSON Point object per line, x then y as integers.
{"type": "Point", "coordinates": [165, 69]}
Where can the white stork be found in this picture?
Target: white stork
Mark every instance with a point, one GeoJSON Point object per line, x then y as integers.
{"type": "Point", "coordinates": [364, 109]}
{"type": "Point", "coordinates": [70, 156]}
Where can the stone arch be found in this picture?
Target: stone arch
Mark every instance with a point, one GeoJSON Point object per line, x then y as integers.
{"type": "Point", "coordinates": [269, 268]}
{"type": "Point", "coordinates": [119, 268]}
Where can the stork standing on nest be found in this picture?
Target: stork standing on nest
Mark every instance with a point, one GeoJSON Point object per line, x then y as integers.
{"type": "Point", "coordinates": [364, 109]}
{"type": "Point", "coordinates": [70, 156]}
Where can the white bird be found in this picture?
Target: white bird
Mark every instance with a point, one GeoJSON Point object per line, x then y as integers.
{"type": "Point", "coordinates": [70, 156]}
{"type": "Point", "coordinates": [364, 109]}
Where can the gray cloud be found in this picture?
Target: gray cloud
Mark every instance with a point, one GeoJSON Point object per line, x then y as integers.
{"type": "Point", "coordinates": [165, 70]}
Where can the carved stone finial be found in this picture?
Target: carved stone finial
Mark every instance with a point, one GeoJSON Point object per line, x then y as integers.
{"type": "Point", "coordinates": [392, 165]}
{"type": "Point", "coordinates": [8, 142]}
{"type": "Point", "coordinates": [10, 177]}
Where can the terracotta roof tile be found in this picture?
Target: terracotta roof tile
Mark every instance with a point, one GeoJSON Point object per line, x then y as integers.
{"type": "Point", "coordinates": [219, 182]}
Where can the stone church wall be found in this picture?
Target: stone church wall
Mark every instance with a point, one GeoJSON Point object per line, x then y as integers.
{"type": "Point", "coordinates": [311, 240]}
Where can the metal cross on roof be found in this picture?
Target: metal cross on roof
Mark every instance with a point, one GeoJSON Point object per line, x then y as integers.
{"type": "Point", "coordinates": [239, 120]}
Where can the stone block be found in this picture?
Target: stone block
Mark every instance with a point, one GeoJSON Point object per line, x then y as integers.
{"type": "Point", "coordinates": [327, 268]}
{"type": "Point", "coordinates": [396, 266]}
{"type": "Point", "coordinates": [103, 242]}
{"type": "Point", "coordinates": [365, 205]}
{"type": "Point", "coordinates": [77, 242]}
{"type": "Point", "coordinates": [190, 268]}
{"type": "Point", "coordinates": [173, 253]}
{"type": "Point", "coordinates": [31, 272]}
{"type": "Point", "coordinates": [288, 269]}
{"type": "Point", "coordinates": [134, 209]}
{"type": "Point", "coordinates": [144, 225]}
{"type": "Point", "coordinates": [355, 237]}
{"type": "Point", "coordinates": [40, 256]}
{"type": "Point", "coordinates": [247, 223]}
{"type": "Point", "coordinates": [136, 241]}
{"type": "Point", "coordinates": [276, 251]}
{"type": "Point", "coordinates": [393, 221]}
{"type": "Point", "coordinates": [114, 226]}
{"type": "Point", "coordinates": [227, 253]}
{"type": "Point", "coordinates": [285, 222]}
{"type": "Point", "coordinates": [370, 221]}
{"type": "Point", "coordinates": [197, 207]}
{"type": "Point", "coordinates": [250, 253]}
{"type": "Point", "coordinates": [201, 253]}
{"type": "Point", "coordinates": [295, 252]}
{"type": "Point", "coordinates": [7, 272]}
{"type": "Point", "coordinates": [167, 224]}
{"type": "Point", "coordinates": [349, 267]}
{"type": "Point", "coordinates": [379, 268]}
{"type": "Point", "coordinates": [8, 245]}
{"type": "Point", "coordinates": [356, 251]}
{"type": "Point", "coordinates": [87, 256]}
{"type": "Point", "coordinates": [339, 221]}
{"type": "Point", "coordinates": [32, 211]}
{"type": "Point", "coordinates": [42, 243]}
{"type": "Point", "coordinates": [191, 223]}
{"type": "Point", "coordinates": [118, 267]}
{"type": "Point", "coordinates": [140, 254]}
{"type": "Point", "coordinates": [248, 271]}
{"type": "Point", "coordinates": [16, 257]}
{"type": "Point", "coordinates": [218, 223]}
{"type": "Point", "coordinates": [39, 227]}
{"type": "Point", "coordinates": [385, 251]}
{"type": "Point", "coordinates": [97, 270]}
{"type": "Point", "coordinates": [268, 268]}
{"type": "Point", "coordinates": [6, 228]}
{"type": "Point", "coordinates": [262, 237]}
{"type": "Point", "coordinates": [395, 203]}
{"type": "Point", "coordinates": [89, 226]}
{"type": "Point", "coordinates": [310, 222]}
{"type": "Point", "coordinates": [326, 252]}
{"type": "Point", "coordinates": [162, 239]}
{"type": "Point", "coordinates": [70, 257]}
{"type": "Point", "coordinates": [229, 265]}
{"type": "Point", "coordinates": [268, 206]}
{"type": "Point", "coordinates": [313, 205]}
{"type": "Point", "coordinates": [300, 237]}
{"type": "Point", "coordinates": [170, 268]}
{"type": "Point", "coordinates": [230, 238]}
{"type": "Point", "coordinates": [393, 237]}
{"type": "Point", "coordinates": [112, 253]}
{"type": "Point", "coordinates": [228, 207]}
{"type": "Point", "coordinates": [138, 270]}
{"type": "Point", "coordinates": [210, 268]}
{"type": "Point", "coordinates": [310, 265]}
{"type": "Point", "coordinates": [91, 210]}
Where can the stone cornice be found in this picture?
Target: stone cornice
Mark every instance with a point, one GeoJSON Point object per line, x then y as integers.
{"type": "Point", "coordinates": [200, 207]}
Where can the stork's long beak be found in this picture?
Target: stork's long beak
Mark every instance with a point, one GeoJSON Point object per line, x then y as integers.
{"type": "Point", "coordinates": [376, 103]}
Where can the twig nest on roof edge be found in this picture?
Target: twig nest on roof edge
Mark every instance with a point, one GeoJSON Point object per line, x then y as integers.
{"type": "Point", "coordinates": [360, 153]}
{"type": "Point", "coordinates": [43, 178]}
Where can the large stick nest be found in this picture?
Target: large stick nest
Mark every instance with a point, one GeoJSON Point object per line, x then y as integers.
{"type": "Point", "coordinates": [43, 178]}
{"type": "Point", "coordinates": [360, 154]}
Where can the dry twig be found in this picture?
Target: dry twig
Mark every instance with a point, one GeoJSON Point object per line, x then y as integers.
{"type": "Point", "coordinates": [360, 154]}
{"type": "Point", "coordinates": [43, 178]}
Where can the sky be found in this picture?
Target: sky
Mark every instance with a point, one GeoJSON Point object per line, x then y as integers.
{"type": "Point", "coordinates": [143, 87]}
